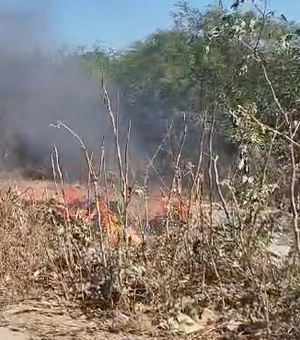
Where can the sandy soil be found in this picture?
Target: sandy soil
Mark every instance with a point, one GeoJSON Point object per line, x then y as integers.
{"type": "Point", "coordinates": [7, 334]}
{"type": "Point", "coordinates": [34, 321]}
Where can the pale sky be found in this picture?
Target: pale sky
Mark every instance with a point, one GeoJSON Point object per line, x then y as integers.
{"type": "Point", "coordinates": [117, 23]}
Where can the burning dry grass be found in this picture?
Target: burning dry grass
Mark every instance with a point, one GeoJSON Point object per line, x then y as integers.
{"type": "Point", "coordinates": [193, 278]}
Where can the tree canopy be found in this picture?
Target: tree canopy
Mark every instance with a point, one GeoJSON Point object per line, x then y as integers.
{"type": "Point", "coordinates": [215, 63]}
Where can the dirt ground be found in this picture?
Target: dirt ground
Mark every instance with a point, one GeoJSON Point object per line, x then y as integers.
{"type": "Point", "coordinates": [36, 321]}
{"type": "Point", "coordinates": [7, 334]}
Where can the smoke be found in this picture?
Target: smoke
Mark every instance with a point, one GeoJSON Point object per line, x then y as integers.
{"type": "Point", "coordinates": [25, 26]}
{"type": "Point", "coordinates": [37, 91]}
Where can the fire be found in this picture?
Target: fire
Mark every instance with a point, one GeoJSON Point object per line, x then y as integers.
{"type": "Point", "coordinates": [73, 205]}
{"type": "Point", "coordinates": [78, 208]}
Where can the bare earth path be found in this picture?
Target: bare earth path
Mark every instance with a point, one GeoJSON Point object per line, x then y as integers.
{"type": "Point", "coordinates": [7, 334]}
{"type": "Point", "coordinates": [35, 321]}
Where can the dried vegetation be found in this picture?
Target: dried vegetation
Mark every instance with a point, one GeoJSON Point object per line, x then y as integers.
{"type": "Point", "coordinates": [188, 269]}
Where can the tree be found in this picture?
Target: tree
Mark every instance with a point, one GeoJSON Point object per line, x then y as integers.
{"type": "Point", "coordinates": [208, 63]}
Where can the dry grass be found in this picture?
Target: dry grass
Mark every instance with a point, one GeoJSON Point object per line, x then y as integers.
{"type": "Point", "coordinates": [25, 230]}
{"type": "Point", "coordinates": [198, 265]}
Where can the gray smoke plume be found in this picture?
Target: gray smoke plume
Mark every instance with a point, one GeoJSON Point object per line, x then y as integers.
{"type": "Point", "coordinates": [36, 91]}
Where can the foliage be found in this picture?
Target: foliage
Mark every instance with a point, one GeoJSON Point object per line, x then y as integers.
{"type": "Point", "coordinates": [206, 64]}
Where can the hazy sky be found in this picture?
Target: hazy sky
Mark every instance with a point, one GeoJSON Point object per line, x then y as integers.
{"type": "Point", "coordinates": [117, 23]}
